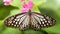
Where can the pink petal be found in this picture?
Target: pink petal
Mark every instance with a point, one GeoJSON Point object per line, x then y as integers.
{"type": "Point", "coordinates": [30, 4]}
{"type": "Point", "coordinates": [22, 0]}
{"type": "Point", "coordinates": [6, 3]}
{"type": "Point", "coordinates": [24, 10]}
{"type": "Point", "coordinates": [25, 5]}
{"type": "Point", "coordinates": [7, 0]}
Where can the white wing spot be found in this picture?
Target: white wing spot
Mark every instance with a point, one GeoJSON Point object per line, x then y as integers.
{"type": "Point", "coordinates": [12, 18]}
{"type": "Point", "coordinates": [44, 25]}
{"type": "Point", "coordinates": [12, 24]}
{"type": "Point", "coordinates": [48, 21]}
{"type": "Point", "coordinates": [15, 25]}
{"type": "Point", "coordinates": [13, 21]}
{"type": "Point", "coordinates": [41, 19]}
{"type": "Point", "coordinates": [43, 22]}
{"type": "Point", "coordinates": [50, 24]}
{"type": "Point", "coordinates": [19, 23]}
{"type": "Point", "coordinates": [8, 24]}
{"type": "Point", "coordinates": [18, 19]}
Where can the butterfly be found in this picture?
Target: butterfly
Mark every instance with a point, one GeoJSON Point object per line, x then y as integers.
{"type": "Point", "coordinates": [27, 20]}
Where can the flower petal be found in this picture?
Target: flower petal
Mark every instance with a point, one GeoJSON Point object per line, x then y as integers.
{"type": "Point", "coordinates": [6, 3]}
{"type": "Point", "coordinates": [22, 0]}
{"type": "Point", "coordinates": [25, 5]}
{"type": "Point", "coordinates": [30, 4]}
{"type": "Point", "coordinates": [7, 0]}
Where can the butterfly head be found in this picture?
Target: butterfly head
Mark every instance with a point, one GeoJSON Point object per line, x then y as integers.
{"type": "Point", "coordinates": [29, 12]}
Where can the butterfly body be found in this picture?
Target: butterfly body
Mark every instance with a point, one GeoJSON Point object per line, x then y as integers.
{"type": "Point", "coordinates": [28, 20]}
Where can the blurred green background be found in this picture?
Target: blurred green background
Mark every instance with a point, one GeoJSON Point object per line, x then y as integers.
{"type": "Point", "coordinates": [48, 7]}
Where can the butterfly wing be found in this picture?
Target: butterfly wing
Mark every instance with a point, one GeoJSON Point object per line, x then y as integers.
{"type": "Point", "coordinates": [20, 20]}
{"type": "Point", "coordinates": [39, 21]}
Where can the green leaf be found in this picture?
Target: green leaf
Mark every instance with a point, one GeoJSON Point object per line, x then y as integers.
{"type": "Point", "coordinates": [11, 31]}
{"type": "Point", "coordinates": [5, 10]}
{"type": "Point", "coordinates": [17, 3]}
{"type": "Point", "coordinates": [34, 32]}
{"type": "Point", "coordinates": [53, 12]}
{"type": "Point", "coordinates": [15, 11]}
{"type": "Point", "coordinates": [37, 2]}
{"type": "Point", "coordinates": [1, 2]}
{"type": "Point", "coordinates": [1, 22]}
{"type": "Point", "coordinates": [2, 28]}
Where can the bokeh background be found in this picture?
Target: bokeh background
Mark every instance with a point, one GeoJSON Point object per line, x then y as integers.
{"type": "Point", "coordinates": [48, 7]}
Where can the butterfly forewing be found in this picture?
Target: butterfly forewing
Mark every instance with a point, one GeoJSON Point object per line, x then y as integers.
{"type": "Point", "coordinates": [13, 19]}
{"type": "Point", "coordinates": [42, 20]}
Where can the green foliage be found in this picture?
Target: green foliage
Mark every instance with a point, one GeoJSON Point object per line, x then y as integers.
{"type": "Point", "coordinates": [11, 31]}
{"type": "Point", "coordinates": [49, 8]}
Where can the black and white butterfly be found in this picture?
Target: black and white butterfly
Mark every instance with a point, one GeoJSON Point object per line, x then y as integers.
{"type": "Point", "coordinates": [28, 20]}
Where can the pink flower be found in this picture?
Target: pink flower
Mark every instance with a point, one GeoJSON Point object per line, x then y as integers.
{"type": "Point", "coordinates": [7, 2]}
{"type": "Point", "coordinates": [22, 0]}
{"type": "Point", "coordinates": [27, 7]}
{"type": "Point", "coordinates": [24, 10]}
{"type": "Point", "coordinates": [30, 5]}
